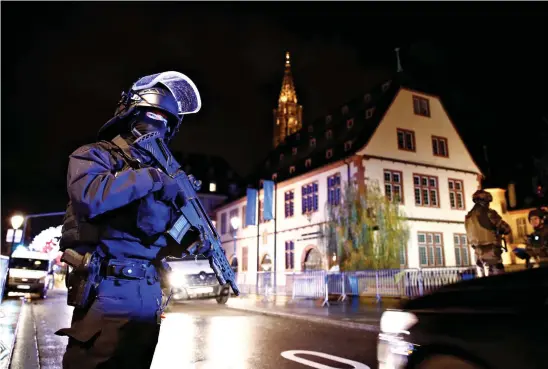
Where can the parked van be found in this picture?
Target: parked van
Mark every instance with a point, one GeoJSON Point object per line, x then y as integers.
{"type": "Point", "coordinates": [30, 272]}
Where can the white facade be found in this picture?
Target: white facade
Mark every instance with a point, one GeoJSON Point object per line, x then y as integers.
{"type": "Point", "coordinates": [439, 219]}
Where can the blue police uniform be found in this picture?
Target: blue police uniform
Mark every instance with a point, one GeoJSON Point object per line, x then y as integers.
{"type": "Point", "coordinates": [119, 211]}
{"type": "Point", "coordinates": [130, 222]}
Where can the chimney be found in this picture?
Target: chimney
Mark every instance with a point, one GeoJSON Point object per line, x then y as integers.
{"type": "Point", "coordinates": [512, 194]}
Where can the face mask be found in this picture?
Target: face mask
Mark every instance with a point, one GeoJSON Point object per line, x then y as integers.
{"type": "Point", "coordinates": [149, 121]}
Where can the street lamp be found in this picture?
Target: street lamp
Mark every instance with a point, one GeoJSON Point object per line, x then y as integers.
{"type": "Point", "coordinates": [17, 221]}
{"type": "Point", "coordinates": [235, 223]}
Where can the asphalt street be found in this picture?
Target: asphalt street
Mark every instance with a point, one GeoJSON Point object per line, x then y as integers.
{"type": "Point", "coordinates": [205, 335]}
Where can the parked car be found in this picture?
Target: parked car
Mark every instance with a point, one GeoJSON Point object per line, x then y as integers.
{"type": "Point", "coordinates": [495, 322]}
{"type": "Point", "coordinates": [30, 272]}
{"type": "Point", "coordinates": [192, 278]}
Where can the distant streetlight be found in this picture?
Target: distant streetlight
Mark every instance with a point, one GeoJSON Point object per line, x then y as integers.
{"type": "Point", "coordinates": [17, 221]}
{"type": "Point", "coordinates": [235, 223]}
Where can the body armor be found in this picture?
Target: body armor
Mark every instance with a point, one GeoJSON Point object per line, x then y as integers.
{"type": "Point", "coordinates": [479, 229]}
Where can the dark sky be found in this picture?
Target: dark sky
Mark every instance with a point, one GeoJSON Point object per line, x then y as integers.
{"type": "Point", "coordinates": [64, 66]}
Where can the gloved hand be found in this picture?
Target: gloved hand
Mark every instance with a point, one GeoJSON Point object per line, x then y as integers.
{"type": "Point", "coordinates": [170, 188]}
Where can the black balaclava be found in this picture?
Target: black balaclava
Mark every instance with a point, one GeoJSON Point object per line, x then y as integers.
{"type": "Point", "coordinates": [151, 121]}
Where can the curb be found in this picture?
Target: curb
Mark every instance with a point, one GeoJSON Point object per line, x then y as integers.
{"type": "Point", "coordinates": [15, 332]}
{"type": "Point", "coordinates": [313, 319]}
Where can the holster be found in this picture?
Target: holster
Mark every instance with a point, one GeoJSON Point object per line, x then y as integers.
{"type": "Point", "coordinates": [82, 280]}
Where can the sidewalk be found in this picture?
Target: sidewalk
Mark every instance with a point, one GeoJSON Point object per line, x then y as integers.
{"type": "Point", "coordinates": [343, 314]}
{"type": "Point", "coordinates": [10, 310]}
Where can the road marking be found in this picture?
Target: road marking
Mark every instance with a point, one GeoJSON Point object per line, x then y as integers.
{"type": "Point", "coordinates": [291, 355]}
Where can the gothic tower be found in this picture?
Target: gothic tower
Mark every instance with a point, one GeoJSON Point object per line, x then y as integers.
{"type": "Point", "coordinates": [288, 117]}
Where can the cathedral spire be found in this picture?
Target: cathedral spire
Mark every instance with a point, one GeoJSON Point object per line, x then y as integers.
{"type": "Point", "coordinates": [288, 116]}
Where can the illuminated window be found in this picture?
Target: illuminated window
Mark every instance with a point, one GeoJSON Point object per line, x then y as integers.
{"type": "Point", "coordinates": [369, 113]}
{"type": "Point", "coordinates": [212, 187]}
{"type": "Point", "coordinates": [350, 123]}
{"type": "Point", "coordinates": [274, 176]}
{"type": "Point", "coordinates": [308, 163]}
{"type": "Point", "coordinates": [329, 153]}
{"type": "Point", "coordinates": [312, 142]}
{"type": "Point", "coordinates": [292, 169]}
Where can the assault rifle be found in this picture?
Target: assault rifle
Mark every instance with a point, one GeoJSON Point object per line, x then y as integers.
{"type": "Point", "coordinates": [193, 216]}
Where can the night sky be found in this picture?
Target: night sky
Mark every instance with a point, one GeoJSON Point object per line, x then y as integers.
{"type": "Point", "coordinates": [65, 65]}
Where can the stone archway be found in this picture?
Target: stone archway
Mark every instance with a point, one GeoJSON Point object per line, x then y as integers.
{"type": "Point", "coordinates": [266, 263]}
{"type": "Point", "coordinates": [311, 259]}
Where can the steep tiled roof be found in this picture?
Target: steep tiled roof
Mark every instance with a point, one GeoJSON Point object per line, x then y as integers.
{"type": "Point", "coordinates": [338, 135]}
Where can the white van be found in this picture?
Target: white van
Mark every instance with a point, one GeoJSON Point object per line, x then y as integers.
{"type": "Point", "coordinates": [30, 272]}
{"type": "Point", "coordinates": [192, 278]}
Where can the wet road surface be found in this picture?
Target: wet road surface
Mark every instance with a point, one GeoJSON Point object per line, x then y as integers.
{"type": "Point", "coordinates": [205, 335]}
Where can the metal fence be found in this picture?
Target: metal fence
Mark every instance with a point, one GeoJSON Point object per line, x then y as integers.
{"type": "Point", "coordinates": [404, 283]}
{"type": "Point", "coordinates": [4, 264]}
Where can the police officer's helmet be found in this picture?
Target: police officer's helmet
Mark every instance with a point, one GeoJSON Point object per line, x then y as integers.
{"type": "Point", "coordinates": [482, 196]}
{"type": "Point", "coordinates": [537, 213]}
{"type": "Point", "coordinates": [172, 93]}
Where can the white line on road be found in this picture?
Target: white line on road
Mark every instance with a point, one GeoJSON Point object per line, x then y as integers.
{"type": "Point", "coordinates": [291, 355]}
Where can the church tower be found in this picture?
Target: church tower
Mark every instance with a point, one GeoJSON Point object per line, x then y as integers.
{"type": "Point", "coordinates": [288, 117]}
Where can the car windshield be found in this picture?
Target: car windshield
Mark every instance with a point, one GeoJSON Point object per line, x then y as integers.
{"type": "Point", "coordinates": [31, 264]}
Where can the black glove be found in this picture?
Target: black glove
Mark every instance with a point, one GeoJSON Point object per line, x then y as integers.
{"type": "Point", "coordinates": [170, 188]}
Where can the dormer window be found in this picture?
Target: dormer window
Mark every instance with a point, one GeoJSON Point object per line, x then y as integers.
{"type": "Point", "coordinates": [294, 151]}
{"type": "Point", "coordinates": [350, 123]}
{"type": "Point", "coordinates": [367, 98]}
{"type": "Point", "coordinates": [310, 128]}
{"type": "Point", "coordinates": [281, 157]}
{"type": "Point", "coordinates": [292, 169]}
{"type": "Point", "coordinates": [312, 142]}
{"type": "Point", "coordinates": [275, 176]}
{"type": "Point", "coordinates": [328, 134]}
{"type": "Point", "coordinates": [385, 86]}
{"type": "Point", "coordinates": [344, 109]}
{"type": "Point", "coordinates": [329, 153]}
{"type": "Point", "coordinates": [369, 113]}
{"type": "Point", "coordinates": [328, 119]}
{"type": "Point", "coordinates": [347, 145]}
{"type": "Point", "coordinates": [308, 163]}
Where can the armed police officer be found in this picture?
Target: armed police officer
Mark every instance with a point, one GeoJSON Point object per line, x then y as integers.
{"type": "Point", "coordinates": [484, 229]}
{"type": "Point", "coordinates": [537, 242]}
{"type": "Point", "coordinates": [113, 234]}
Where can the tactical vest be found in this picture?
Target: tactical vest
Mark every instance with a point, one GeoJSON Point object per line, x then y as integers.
{"type": "Point", "coordinates": [479, 229]}
{"type": "Point", "coordinates": [83, 232]}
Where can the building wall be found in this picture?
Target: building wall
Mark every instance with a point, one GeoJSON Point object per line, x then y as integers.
{"type": "Point", "coordinates": [380, 154]}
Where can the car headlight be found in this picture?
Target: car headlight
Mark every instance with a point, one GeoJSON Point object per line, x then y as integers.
{"type": "Point", "coordinates": [397, 322]}
{"type": "Point", "coordinates": [177, 279]}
